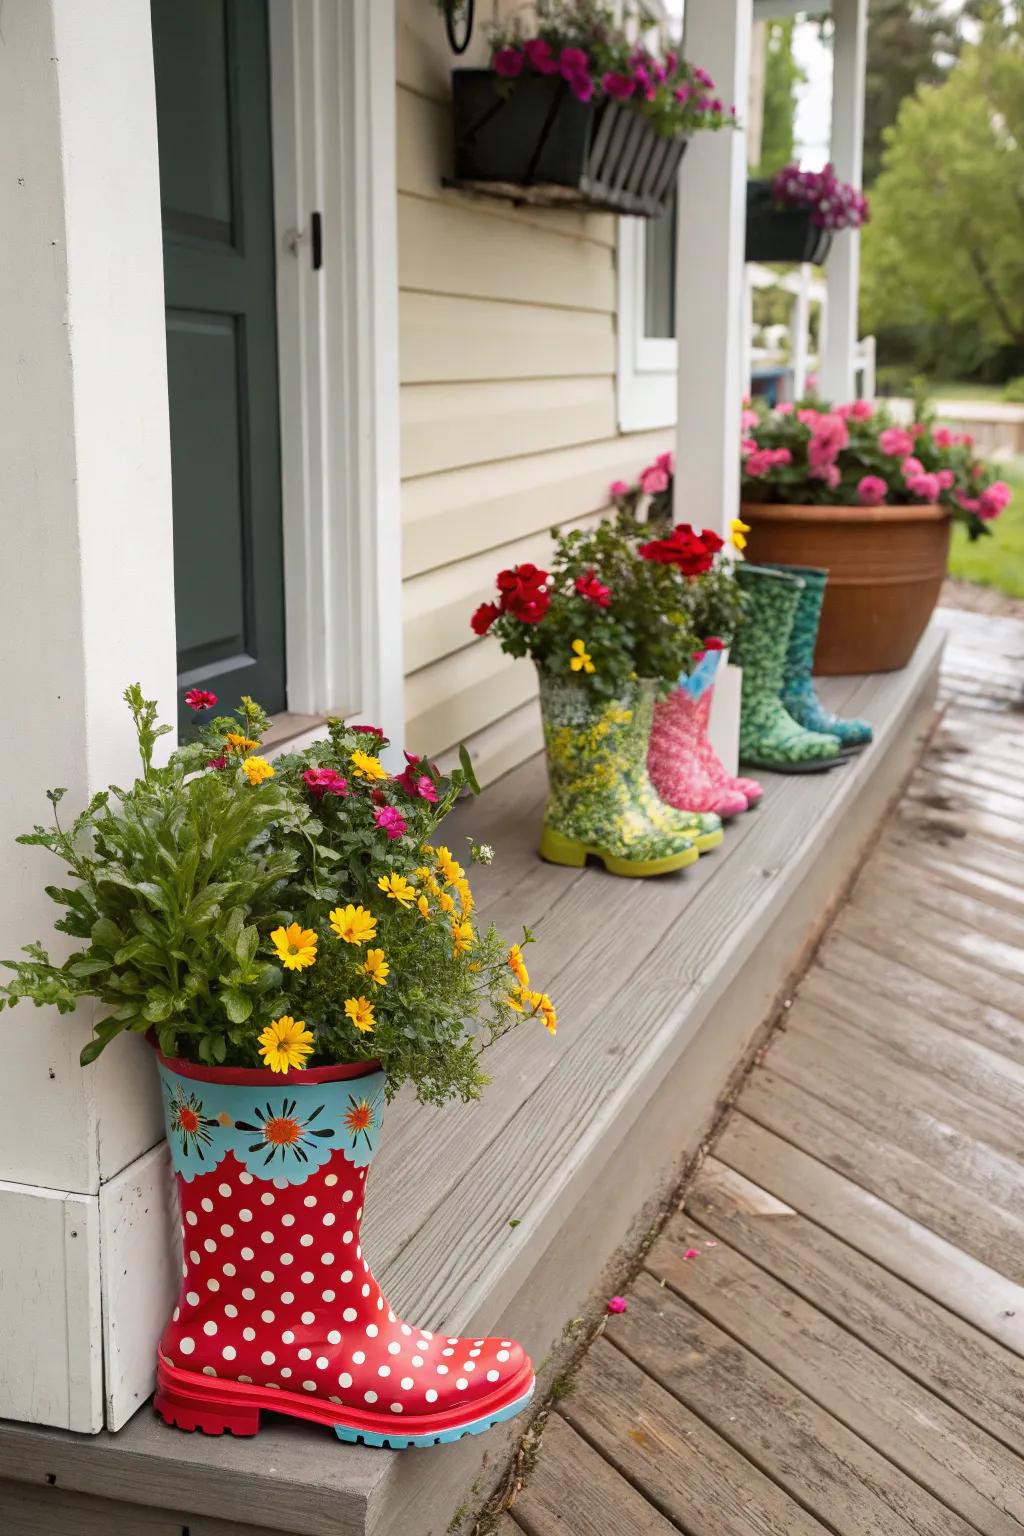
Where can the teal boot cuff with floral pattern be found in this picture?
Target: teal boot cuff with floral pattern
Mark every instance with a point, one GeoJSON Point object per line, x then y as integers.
{"type": "Point", "coordinates": [601, 802]}
{"type": "Point", "coordinates": [798, 692]}
{"type": "Point", "coordinates": [769, 735]}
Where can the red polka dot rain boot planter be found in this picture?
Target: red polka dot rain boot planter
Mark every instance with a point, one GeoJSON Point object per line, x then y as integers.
{"type": "Point", "coordinates": [278, 1310]}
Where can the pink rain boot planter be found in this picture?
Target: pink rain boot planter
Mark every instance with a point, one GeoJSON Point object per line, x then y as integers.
{"type": "Point", "coordinates": [278, 1310]}
{"type": "Point", "coordinates": [684, 767]}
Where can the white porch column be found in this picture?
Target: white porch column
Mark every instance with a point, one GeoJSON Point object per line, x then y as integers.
{"type": "Point", "coordinates": [800, 330]}
{"type": "Point", "coordinates": [709, 276]}
{"type": "Point", "coordinates": [86, 606]}
{"type": "Point", "coordinates": [849, 62]}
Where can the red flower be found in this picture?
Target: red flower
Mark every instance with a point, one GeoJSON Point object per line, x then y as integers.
{"type": "Point", "coordinates": [523, 593]}
{"type": "Point", "coordinates": [217, 762]}
{"type": "Point", "coordinates": [324, 781]}
{"type": "Point", "coordinates": [417, 785]}
{"type": "Point", "coordinates": [593, 590]}
{"type": "Point", "coordinates": [692, 553]}
{"type": "Point", "coordinates": [378, 797]}
{"type": "Point", "coordinates": [368, 730]}
{"type": "Point", "coordinates": [484, 617]}
{"type": "Point", "coordinates": [200, 698]}
{"type": "Point", "coordinates": [391, 821]}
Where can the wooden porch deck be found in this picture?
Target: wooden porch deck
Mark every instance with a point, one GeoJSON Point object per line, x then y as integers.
{"type": "Point", "coordinates": [827, 1336]}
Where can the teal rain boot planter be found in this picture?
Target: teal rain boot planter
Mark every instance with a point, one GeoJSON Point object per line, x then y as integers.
{"type": "Point", "coordinates": [769, 735]}
{"type": "Point", "coordinates": [798, 691]}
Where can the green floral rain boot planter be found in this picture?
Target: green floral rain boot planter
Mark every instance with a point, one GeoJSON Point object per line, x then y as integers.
{"type": "Point", "coordinates": [601, 801]}
{"type": "Point", "coordinates": [769, 736]}
{"type": "Point", "coordinates": [798, 692]}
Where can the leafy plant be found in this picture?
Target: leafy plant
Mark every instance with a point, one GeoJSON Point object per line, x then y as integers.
{"type": "Point", "coordinates": [227, 903]}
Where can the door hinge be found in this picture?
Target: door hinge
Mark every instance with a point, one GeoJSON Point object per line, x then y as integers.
{"type": "Point", "coordinates": [314, 235]}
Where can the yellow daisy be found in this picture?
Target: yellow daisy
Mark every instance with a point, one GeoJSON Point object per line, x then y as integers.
{"type": "Point", "coordinates": [257, 769]}
{"type": "Point", "coordinates": [366, 767]}
{"type": "Point", "coordinates": [517, 966]}
{"type": "Point", "coordinates": [423, 907]}
{"type": "Point", "coordinates": [462, 936]}
{"type": "Point", "coordinates": [353, 924]}
{"type": "Point", "coordinates": [360, 1011]}
{"type": "Point", "coordinates": [737, 533]}
{"type": "Point", "coordinates": [239, 744]}
{"type": "Point", "coordinates": [581, 661]}
{"type": "Point", "coordinates": [450, 867]}
{"type": "Point", "coordinates": [398, 888]}
{"type": "Point", "coordinates": [296, 947]}
{"type": "Point", "coordinates": [446, 903]}
{"type": "Point", "coordinates": [285, 1044]}
{"type": "Point", "coordinates": [376, 967]}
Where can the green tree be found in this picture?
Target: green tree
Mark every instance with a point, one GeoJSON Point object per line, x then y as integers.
{"type": "Point", "coordinates": [782, 75]}
{"type": "Point", "coordinates": [910, 43]}
{"type": "Point", "coordinates": [944, 252]}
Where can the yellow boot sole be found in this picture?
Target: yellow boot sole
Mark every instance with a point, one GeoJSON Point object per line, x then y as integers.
{"type": "Point", "coordinates": [559, 849]}
{"type": "Point", "coordinates": [708, 840]}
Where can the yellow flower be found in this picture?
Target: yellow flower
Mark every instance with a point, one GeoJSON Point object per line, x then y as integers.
{"type": "Point", "coordinates": [239, 744]}
{"type": "Point", "coordinates": [515, 1000]}
{"type": "Point", "coordinates": [737, 533]}
{"type": "Point", "coordinates": [450, 867]}
{"type": "Point", "coordinates": [446, 903]}
{"type": "Point", "coordinates": [541, 1005]}
{"type": "Point", "coordinates": [360, 1011]}
{"type": "Point", "coordinates": [285, 1044]}
{"type": "Point", "coordinates": [376, 967]}
{"type": "Point", "coordinates": [353, 924]}
{"type": "Point", "coordinates": [398, 888]}
{"type": "Point", "coordinates": [582, 661]}
{"type": "Point", "coordinates": [517, 966]}
{"type": "Point", "coordinates": [257, 769]}
{"type": "Point", "coordinates": [463, 937]}
{"type": "Point", "coordinates": [423, 907]}
{"type": "Point", "coordinates": [366, 767]}
{"type": "Point", "coordinates": [296, 947]}
{"type": "Point", "coordinates": [465, 896]}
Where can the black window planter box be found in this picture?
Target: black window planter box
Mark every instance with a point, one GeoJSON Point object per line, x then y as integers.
{"type": "Point", "coordinates": [536, 143]}
{"type": "Point", "coordinates": [782, 234]}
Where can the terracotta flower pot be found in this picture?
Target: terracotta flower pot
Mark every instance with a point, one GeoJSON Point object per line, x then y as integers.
{"type": "Point", "coordinates": [885, 570]}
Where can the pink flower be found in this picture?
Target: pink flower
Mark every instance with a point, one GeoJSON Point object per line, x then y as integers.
{"type": "Point", "coordinates": [871, 491]}
{"type": "Point", "coordinates": [946, 479]}
{"type": "Point", "coordinates": [895, 442]}
{"type": "Point", "coordinates": [217, 762]}
{"type": "Point", "coordinates": [593, 590]}
{"type": "Point", "coordinates": [667, 462]}
{"type": "Point", "coordinates": [368, 730]}
{"type": "Point", "coordinates": [926, 487]}
{"type": "Point", "coordinates": [618, 488]}
{"type": "Point", "coordinates": [942, 437]}
{"type": "Point", "coordinates": [862, 410]}
{"type": "Point", "coordinates": [692, 1253]}
{"type": "Point", "coordinates": [391, 821]}
{"type": "Point", "coordinates": [573, 61]}
{"type": "Point", "coordinates": [911, 467]}
{"type": "Point", "coordinates": [785, 408]}
{"type": "Point", "coordinates": [963, 439]}
{"type": "Point", "coordinates": [748, 420]}
{"type": "Point", "coordinates": [682, 94]}
{"type": "Point", "coordinates": [969, 503]}
{"type": "Point", "coordinates": [582, 87]}
{"type": "Point", "coordinates": [653, 480]}
{"type": "Point", "coordinates": [324, 781]}
{"type": "Point", "coordinates": [418, 786]}
{"type": "Point", "coordinates": [994, 500]}
{"type": "Point", "coordinates": [808, 416]}
{"type": "Point", "coordinates": [764, 459]}
{"type": "Point", "coordinates": [619, 87]}
{"type": "Point", "coordinates": [508, 62]}
{"type": "Point", "coordinates": [829, 435]}
{"type": "Point", "coordinates": [827, 472]}
{"type": "Point", "coordinates": [539, 56]}
{"type": "Point", "coordinates": [747, 446]}
{"type": "Point", "coordinates": [200, 698]}
{"type": "Point", "coordinates": [842, 410]}
{"type": "Point", "coordinates": [617, 1304]}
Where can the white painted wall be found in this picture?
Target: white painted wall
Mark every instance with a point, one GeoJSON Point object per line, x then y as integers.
{"type": "Point", "coordinates": [86, 606]}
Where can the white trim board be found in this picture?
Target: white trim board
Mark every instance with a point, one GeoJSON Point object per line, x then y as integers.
{"type": "Point", "coordinates": [334, 152]}
{"type": "Point", "coordinates": [648, 366]}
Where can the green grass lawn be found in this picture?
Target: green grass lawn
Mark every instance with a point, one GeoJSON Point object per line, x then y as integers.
{"type": "Point", "coordinates": [998, 561]}
{"type": "Point", "coordinates": [947, 390]}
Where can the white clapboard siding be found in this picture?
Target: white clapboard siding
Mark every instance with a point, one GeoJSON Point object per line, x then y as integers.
{"type": "Point", "coordinates": [439, 604]}
{"type": "Point", "coordinates": [501, 746]}
{"type": "Point", "coordinates": [449, 700]}
{"type": "Point", "coordinates": [459, 513]}
{"type": "Point", "coordinates": [453, 247]}
{"type": "Point", "coordinates": [51, 1364]}
{"type": "Point", "coordinates": [445, 338]}
{"type": "Point", "coordinates": [447, 425]}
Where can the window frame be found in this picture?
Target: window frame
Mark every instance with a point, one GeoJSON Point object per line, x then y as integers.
{"type": "Point", "coordinates": [648, 366]}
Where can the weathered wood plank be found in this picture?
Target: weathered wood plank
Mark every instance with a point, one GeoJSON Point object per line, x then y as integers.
{"type": "Point", "coordinates": [681, 1466]}
{"type": "Point", "coordinates": [984, 1076]}
{"type": "Point", "coordinates": [888, 879]}
{"type": "Point", "coordinates": [946, 803]}
{"type": "Point", "coordinates": [952, 965]}
{"type": "Point", "coordinates": [572, 1492]}
{"type": "Point", "coordinates": [946, 1122]}
{"type": "Point", "coordinates": [50, 1511]}
{"type": "Point", "coordinates": [830, 1471]}
{"type": "Point", "coordinates": [946, 1453]}
{"type": "Point", "coordinates": [911, 1252]}
{"type": "Point", "coordinates": [994, 890]}
{"type": "Point", "coordinates": [982, 948]}
{"type": "Point", "coordinates": [910, 1183]}
{"type": "Point", "coordinates": [897, 982]}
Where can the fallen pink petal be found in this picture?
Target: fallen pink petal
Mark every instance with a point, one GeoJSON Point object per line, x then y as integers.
{"type": "Point", "coordinates": [617, 1304]}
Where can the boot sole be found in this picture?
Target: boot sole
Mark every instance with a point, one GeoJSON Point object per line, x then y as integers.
{"type": "Point", "coordinates": [215, 1407]}
{"type": "Point", "coordinates": [555, 848]}
{"type": "Point", "coordinates": [821, 765]}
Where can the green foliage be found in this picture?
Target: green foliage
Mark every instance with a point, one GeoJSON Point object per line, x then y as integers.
{"type": "Point", "coordinates": [181, 885]}
{"type": "Point", "coordinates": [943, 255]}
{"type": "Point", "coordinates": [1013, 391]}
{"type": "Point", "coordinates": [781, 77]}
{"type": "Point", "coordinates": [998, 562]}
{"type": "Point", "coordinates": [909, 45]}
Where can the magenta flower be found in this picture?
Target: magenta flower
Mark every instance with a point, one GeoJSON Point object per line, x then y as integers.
{"type": "Point", "coordinates": [830, 433]}
{"type": "Point", "coordinates": [618, 488]}
{"type": "Point", "coordinates": [682, 94]}
{"type": "Point", "coordinates": [926, 487]}
{"type": "Point", "coordinates": [418, 786]}
{"type": "Point", "coordinates": [748, 445]}
{"type": "Point", "coordinates": [808, 416]}
{"type": "Point", "coordinates": [895, 442]}
{"type": "Point", "coordinates": [995, 500]}
{"type": "Point", "coordinates": [653, 480]}
{"type": "Point", "coordinates": [942, 437]}
{"type": "Point", "coordinates": [368, 730]}
{"type": "Point", "coordinates": [324, 781]}
{"type": "Point", "coordinates": [911, 467]}
{"type": "Point", "coordinates": [617, 1304]}
{"type": "Point", "coordinates": [508, 62]}
{"type": "Point", "coordinates": [539, 56]}
{"type": "Point", "coordinates": [391, 821]}
{"type": "Point", "coordinates": [200, 698]}
{"type": "Point", "coordinates": [862, 410]}
{"type": "Point", "coordinates": [619, 87]}
{"type": "Point", "coordinates": [827, 472]}
{"type": "Point", "coordinates": [946, 479]}
{"type": "Point", "coordinates": [573, 61]}
{"type": "Point", "coordinates": [582, 87]}
{"type": "Point", "coordinates": [871, 491]}
{"type": "Point", "coordinates": [667, 462]}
